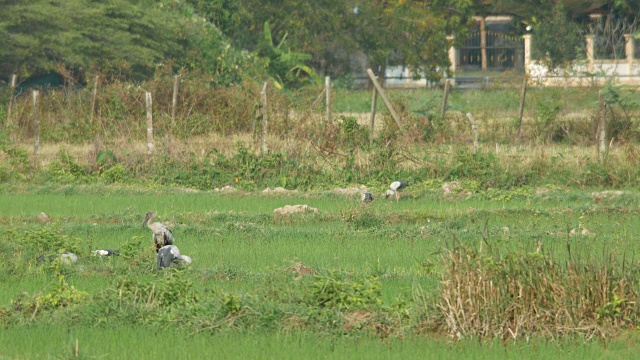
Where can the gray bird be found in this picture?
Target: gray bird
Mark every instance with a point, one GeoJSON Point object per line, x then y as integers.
{"type": "Point", "coordinates": [169, 255]}
{"type": "Point", "coordinates": [394, 189]}
{"type": "Point", "coordinates": [161, 233]}
{"type": "Point", "coordinates": [367, 197]}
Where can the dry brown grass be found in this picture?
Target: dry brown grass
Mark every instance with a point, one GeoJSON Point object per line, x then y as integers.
{"type": "Point", "coordinates": [515, 297]}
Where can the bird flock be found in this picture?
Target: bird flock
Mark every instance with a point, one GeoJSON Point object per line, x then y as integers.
{"type": "Point", "coordinates": [392, 192]}
{"type": "Point", "coordinates": [168, 254]}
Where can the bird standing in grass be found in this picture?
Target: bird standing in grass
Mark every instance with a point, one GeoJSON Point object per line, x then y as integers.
{"type": "Point", "coordinates": [162, 235]}
{"type": "Point", "coordinates": [169, 255]}
{"type": "Point", "coordinates": [394, 189]}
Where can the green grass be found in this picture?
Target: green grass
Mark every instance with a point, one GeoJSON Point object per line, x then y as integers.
{"type": "Point", "coordinates": [498, 102]}
{"type": "Point", "coordinates": [47, 342]}
{"type": "Point", "coordinates": [240, 248]}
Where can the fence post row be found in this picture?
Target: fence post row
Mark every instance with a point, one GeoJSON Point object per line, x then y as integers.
{"type": "Point", "coordinates": [11, 99]}
{"type": "Point", "coordinates": [388, 103]}
{"type": "Point", "coordinates": [445, 97]}
{"type": "Point", "coordinates": [374, 103]}
{"type": "Point", "coordinates": [263, 97]}
{"type": "Point", "coordinates": [36, 127]}
{"type": "Point", "coordinates": [474, 131]}
{"type": "Point", "coordinates": [94, 98]}
{"type": "Point", "coordinates": [602, 129]}
{"type": "Point", "coordinates": [327, 86]}
{"type": "Point", "coordinates": [149, 107]}
{"type": "Point", "coordinates": [523, 94]}
{"type": "Point", "coordinates": [174, 99]}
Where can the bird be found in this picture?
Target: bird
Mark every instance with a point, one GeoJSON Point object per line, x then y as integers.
{"type": "Point", "coordinates": [162, 235]}
{"type": "Point", "coordinates": [367, 197]}
{"type": "Point", "coordinates": [169, 255]}
{"type": "Point", "coordinates": [394, 189]}
{"type": "Point", "coordinates": [107, 252]}
{"type": "Point", "coordinates": [65, 258]}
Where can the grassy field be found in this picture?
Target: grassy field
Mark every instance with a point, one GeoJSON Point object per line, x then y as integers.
{"type": "Point", "coordinates": [246, 273]}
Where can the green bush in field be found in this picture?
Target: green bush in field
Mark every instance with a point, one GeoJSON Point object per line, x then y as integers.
{"type": "Point", "coordinates": [335, 290]}
{"type": "Point", "coordinates": [47, 241]}
{"type": "Point", "coordinates": [65, 169]}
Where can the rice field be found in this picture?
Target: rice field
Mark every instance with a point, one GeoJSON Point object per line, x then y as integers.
{"type": "Point", "coordinates": [243, 252]}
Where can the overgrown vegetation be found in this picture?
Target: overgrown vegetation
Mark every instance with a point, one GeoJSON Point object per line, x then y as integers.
{"type": "Point", "coordinates": [215, 137]}
{"type": "Point", "coordinates": [519, 266]}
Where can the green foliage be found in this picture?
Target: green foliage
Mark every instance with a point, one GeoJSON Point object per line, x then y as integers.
{"type": "Point", "coordinates": [284, 66]}
{"type": "Point", "coordinates": [556, 40]}
{"type": "Point", "coordinates": [127, 36]}
{"type": "Point", "coordinates": [47, 240]}
{"type": "Point", "coordinates": [65, 168]}
{"type": "Point", "coordinates": [336, 290]}
{"type": "Point", "coordinates": [114, 174]}
{"type": "Point", "coordinates": [62, 295]}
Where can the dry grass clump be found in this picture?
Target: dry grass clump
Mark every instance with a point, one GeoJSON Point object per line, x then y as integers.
{"type": "Point", "coordinates": [515, 297]}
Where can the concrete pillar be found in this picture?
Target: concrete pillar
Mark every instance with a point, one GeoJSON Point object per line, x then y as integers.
{"type": "Point", "coordinates": [527, 52]}
{"type": "Point", "coordinates": [629, 50]}
{"type": "Point", "coordinates": [453, 55]}
{"type": "Point", "coordinates": [483, 42]}
{"type": "Point", "coordinates": [590, 52]}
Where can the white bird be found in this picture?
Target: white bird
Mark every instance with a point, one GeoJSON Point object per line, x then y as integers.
{"type": "Point", "coordinates": [394, 189]}
{"type": "Point", "coordinates": [367, 197]}
{"type": "Point", "coordinates": [107, 252]}
{"type": "Point", "coordinates": [169, 255]}
{"type": "Point", "coordinates": [162, 235]}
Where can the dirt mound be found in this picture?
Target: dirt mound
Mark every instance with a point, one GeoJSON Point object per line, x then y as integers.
{"type": "Point", "coordinates": [350, 191]}
{"type": "Point", "coordinates": [279, 191]}
{"type": "Point", "coordinates": [226, 189]}
{"type": "Point", "coordinates": [294, 209]}
{"type": "Point", "coordinates": [44, 218]}
{"type": "Point", "coordinates": [301, 269]}
{"type": "Point", "coordinates": [607, 194]}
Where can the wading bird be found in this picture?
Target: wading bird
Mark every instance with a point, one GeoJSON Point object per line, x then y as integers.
{"type": "Point", "coordinates": [394, 189]}
{"type": "Point", "coordinates": [107, 252]}
{"type": "Point", "coordinates": [161, 233]}
{"type": "Point", "coordinates": [169, 255]}
{"type": "Point", "coordinates": [367, 197]}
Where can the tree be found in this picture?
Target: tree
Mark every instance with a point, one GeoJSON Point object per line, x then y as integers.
{"type": "Point", "coordinates": [387, 32]}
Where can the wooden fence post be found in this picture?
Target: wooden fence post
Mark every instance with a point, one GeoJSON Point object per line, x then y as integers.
{"type": "Point", "coordinates": [602, 129]}
{"type": "Point", "coordinates": [36, 127]}
{"type": "Point", "coordinates": [374, 103]}
{"type": "Point", "coordinates": [327, 86]}
{"type": "Point", "coordinates": [11, 99]}
{"type": "Point", "coordinates": [474, 131]}
{"type": "Point", "coordinates": [523, 94]}
{"type": "Point", "coordinates": [174, 99]}
{"type": "Point", "coordinates": [149, 106]}
{"type": "Point", "coordinates": [388, 103]}
{"type": "Point", "coordinates": [263, 97]}
{"type": "Point", "coordinates": [445, 97]}
{"type": "Point", "coordinates": [94, 98]}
